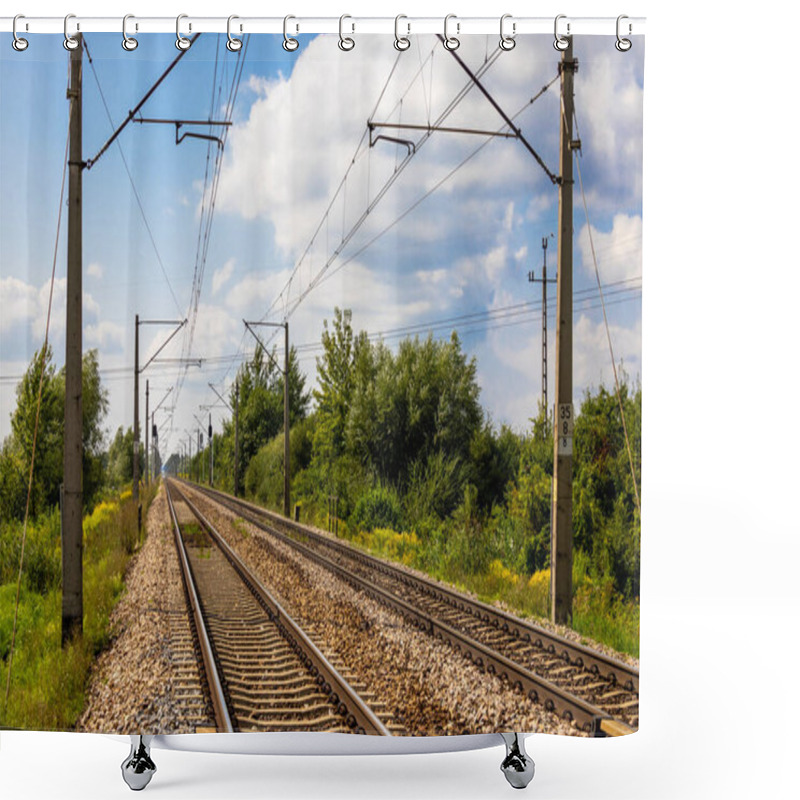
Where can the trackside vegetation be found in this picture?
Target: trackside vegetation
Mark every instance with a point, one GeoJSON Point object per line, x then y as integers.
{"type": "Point", "coordinates": [420, 473]}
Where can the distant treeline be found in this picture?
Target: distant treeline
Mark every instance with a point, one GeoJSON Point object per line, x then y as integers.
{"type": "Point", "coordinates": [399, 438]}
{"type": "Point", "coordinates": [401, 441]}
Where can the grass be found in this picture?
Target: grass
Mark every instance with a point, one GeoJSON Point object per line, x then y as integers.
{"type": "Point", "coordinates": [48, 682]}
{"type": "Point", "coordinates": [599, 612]}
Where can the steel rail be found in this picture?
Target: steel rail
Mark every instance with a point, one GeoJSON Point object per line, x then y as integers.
{"type": "Point", "coordinates": [358, 715]}
{"type": "Point", "coordinates": [612, 669]}
{"type": "Point", "coordinates": [218, 702]}
{"type": "Point", "coordinates": [587, 716]}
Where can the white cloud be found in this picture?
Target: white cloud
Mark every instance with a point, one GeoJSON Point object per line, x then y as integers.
{"type": "Point", "coordinates": [104, 335]}
{"type": "Point", "coordinates": [431, 276]}
{"type": "Point", "coordinates": [508, 219]}
{"type": "Point", "coordinates": [252, 292]}
{"type": "Point", "coordinates": [222, 275]}
{"type": "Point", "coordinates": [286, 160]}
{"type": "Point", "coordinates": [619, 251]}
{"type": "Point", "coordinates": [217, 332]}
{"type": "Point", "coordinates": [591, 363]}
{"type": "Point", "coordinates": [20, 302]}
{"type": "Point", "coordinates": [95, 270]}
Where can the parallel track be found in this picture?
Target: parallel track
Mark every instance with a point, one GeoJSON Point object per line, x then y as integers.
{"type": "Point", "coordinates": [598, 692]}
{"type": "Point", "coordinates": [263, 672]}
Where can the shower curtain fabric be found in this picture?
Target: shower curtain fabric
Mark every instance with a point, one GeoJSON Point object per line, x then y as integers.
{"type": "Point", "coordinates": [374, 247]}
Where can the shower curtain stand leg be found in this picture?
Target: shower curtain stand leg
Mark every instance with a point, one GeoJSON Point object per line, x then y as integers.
{"type": "Point", "coordinates": [138, 768]}
{"type": "Point", "coordinates": [517, 766]}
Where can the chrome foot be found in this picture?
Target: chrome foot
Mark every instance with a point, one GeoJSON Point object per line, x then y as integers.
{"type": "Point", "coordinates": [138, 768]}
{"type": "Point", "coordinates": [517, 766]}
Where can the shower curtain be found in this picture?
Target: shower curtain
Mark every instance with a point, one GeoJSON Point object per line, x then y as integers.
{"type": "Point", "coordinates": [365, 318]}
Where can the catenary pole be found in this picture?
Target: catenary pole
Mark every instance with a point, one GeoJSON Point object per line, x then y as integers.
{"type": "Point", "coordinates": [146, 432]}
{"type": "Point", "coordinates": [286, 499]}
{"type": "Point", "coordinates": [136, 423]}
{"type": "Point", "coordinates": [236, 442]}
{"type": "Point", "coordinates": [561, 537]}
{"type": "Point", "coordinates": [72, 509]}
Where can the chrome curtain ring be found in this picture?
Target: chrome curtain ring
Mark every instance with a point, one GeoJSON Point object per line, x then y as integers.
{"type": "Point", "coordinates": [19, 44]}
{"type": "Point", "coordinates": [128, 42]}
{"type": "Point", "coordinates": [623, 45]}
{"type": "Point", "coordinates": [345, 42]}
{"type": "Point", "coordinates": [561, 43]}
{"type": "Point", "coordinates": [289, 44]}
{"type": "Point", "coordinates": [233, 44]}
{"type": "Point", "coordinates": [401, 42]}
{"type": "Point", "coordinates": [451, 42]}
{"type": "Point", "coordinates": [70, 43]}
{"type": "Point", "coordinates": [507, 42]}
{"type": "Point", "coordinates": [182, 43]}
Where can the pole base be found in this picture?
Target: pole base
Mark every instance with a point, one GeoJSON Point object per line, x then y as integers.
{"type": "Point", "coordinates": [138, 768]}
{"type": "Point", "coordinates": [517, 766]}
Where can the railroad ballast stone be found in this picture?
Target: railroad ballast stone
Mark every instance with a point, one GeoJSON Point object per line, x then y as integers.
{"type": "Point", "coordinates": [427, 687]}
{"type": "Point", "coordinates": [149, 680]}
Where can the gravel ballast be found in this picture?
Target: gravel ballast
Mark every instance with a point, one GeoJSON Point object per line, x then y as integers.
{"type": "Point", "coordinates": [148, 681]}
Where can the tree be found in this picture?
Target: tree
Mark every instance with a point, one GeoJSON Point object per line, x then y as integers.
{"type": "Point", "coordinates": [605, 516]}
{"type": "Point", "coordinates": [94, 401]}
{"type": "Point", "coordinates": [299, 398]}
{"type": "Point", "coordinates": [120, 458]}
{"type": "Point", "coordinates": [48, 467]}
{"type": "Point", "coordinates": [48, 463]}
{"type": "Point", "coordinates": [335, 376]}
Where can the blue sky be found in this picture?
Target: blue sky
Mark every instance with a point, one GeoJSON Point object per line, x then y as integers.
{"type": "Point", "coordinates": [298, 120]}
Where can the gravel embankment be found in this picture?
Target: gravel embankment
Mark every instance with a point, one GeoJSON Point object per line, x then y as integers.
{"type": "Point", "coordinates": [426, 686]}
{"type": "Point", "coordinates": [148, 680]}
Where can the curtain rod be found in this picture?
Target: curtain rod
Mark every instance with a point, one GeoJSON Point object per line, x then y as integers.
{"type": "Point", "coordinates": [463, 26]}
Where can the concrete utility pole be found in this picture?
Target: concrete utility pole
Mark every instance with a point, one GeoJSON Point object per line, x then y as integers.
{"type": "Point", "coordinates": [146, 432]}
{"type": "Point", "coordinates": [286, 510]}
{"type": "Point", "coordinates": [544, 281]}
{"type": "Point", "coordinates": [561, 529]}
{"type": "Point", "coordinates": [210, 453]}
{"type": "Point", "coordinates": [72, 509]}
{"type": "Point", "coordinates": [236, 442]}
{"type": "Point", "coordinates": [136, 424]}
{"type": "Point", "coordinates": [179, 324]}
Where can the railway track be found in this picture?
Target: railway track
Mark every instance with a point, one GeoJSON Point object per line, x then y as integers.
{"type": "Point", "coordinates": [599, 693]}
{"type": "Point", "coordinates": [263, 672]}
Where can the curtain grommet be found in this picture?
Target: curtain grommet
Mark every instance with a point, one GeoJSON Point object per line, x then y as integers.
{"type": "Point", "coordinates": [289, 44]}
{"type": "Point", "coordinates": [233, 44]}
{"type": "Point", "coordinates": [181, 42]}
{"type": "Point", "coordinates": [451, 42]}
{"type": "Point", "coordinates": [70, 42]}
{"type": "Point", "coordinates": [561, 43]}
{"type": "Point", "coordinates": [507, 42]}
{"type": "Point", "coordinates": [401, 43]}
{"type": "Point", "coordinates": [623, 45]}
{"type": "Point", "coordinates": [346, 43]}
{"type": "Point", "coordinates": [18, 43]}
{"type": "Point", "coordinates": [128, 42]}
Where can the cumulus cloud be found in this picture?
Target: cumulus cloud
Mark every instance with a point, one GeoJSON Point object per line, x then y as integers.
{"type": "Point", "coordinates": [591, 357]}
{"type": "Point", "coordinates": [285, 161]}
{"type": "Point", "coordinates": [104, 335]}
{"type": "Point", "coordinates": [95, 270]}
{"type": "Point", "coordinates": [222, 275]}
{"type": "Point", "coordinates": [619, 251]}
{"type": "Point", "coordinates": [20, 302]}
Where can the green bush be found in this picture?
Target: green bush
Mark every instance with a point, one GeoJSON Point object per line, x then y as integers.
{"type": "Point", "coordinates": [378, 508]}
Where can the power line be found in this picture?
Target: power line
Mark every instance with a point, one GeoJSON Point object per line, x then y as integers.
{"type": "Point", "coordinates": [130, 176]}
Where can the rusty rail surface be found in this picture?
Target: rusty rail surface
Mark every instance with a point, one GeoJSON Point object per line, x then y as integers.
{"type": "Point", "coordinates": [350, 712]}
{"type": "Point", "coordinates": [588, 716]}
